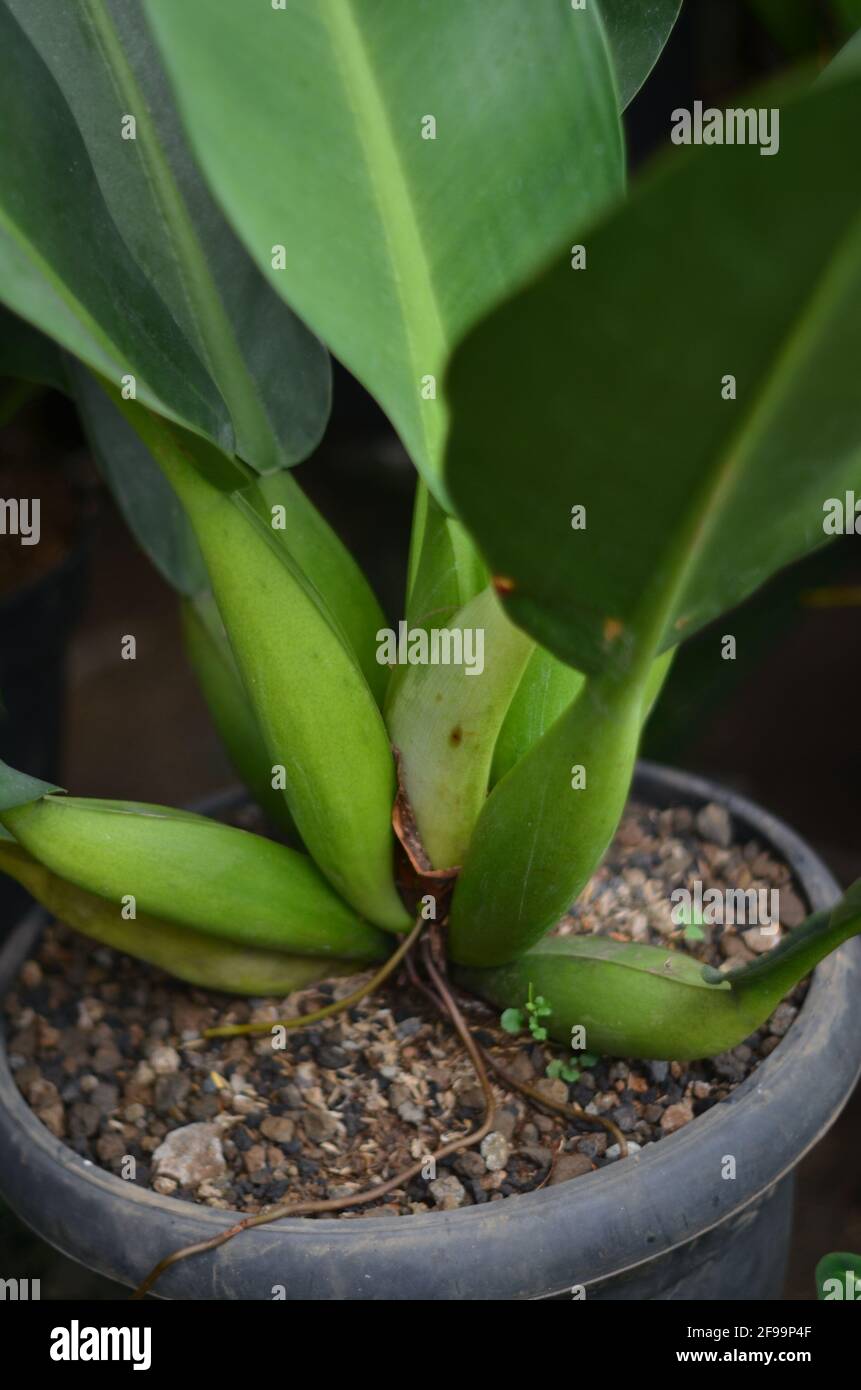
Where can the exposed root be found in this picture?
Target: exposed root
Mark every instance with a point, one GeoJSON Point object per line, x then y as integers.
{"type": "Point", "coordinates": [237, 1030]}
{"type": "Point", "coordinates": [561, 1107]}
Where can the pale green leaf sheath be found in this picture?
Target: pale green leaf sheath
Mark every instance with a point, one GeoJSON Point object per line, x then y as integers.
{"type": "Point", "coordinates": [445, 718]}
{"type": "Point", "coordinates": [545, 826]}
{"type": "Point", "coordinates": [546, 688]}
{"type": "Point", "coordinates": [212, 659]}
{"type": "Point", "coordinates": [387, 252]}
{"type": "Point", "coordinates": [208, 961]}
{"type": "Point", "coordinates": [315, 711]}
{"type": "Point", "coordinates": [329, 566]}
{"type": "Point", "coordinates": [194, 872]}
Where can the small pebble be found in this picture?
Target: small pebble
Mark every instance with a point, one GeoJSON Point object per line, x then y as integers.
{"type": "Point", "coordinates": [494, 1149]}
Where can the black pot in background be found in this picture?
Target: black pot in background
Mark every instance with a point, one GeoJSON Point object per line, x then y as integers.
{"type": "Point", "coordinates": [662, 1224]}
{"type": "Point", "coordinates": [36, 622]}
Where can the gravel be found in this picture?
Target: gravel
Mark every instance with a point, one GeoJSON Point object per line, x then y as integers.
{"type": "Point", "coordinates": [108, 1054]}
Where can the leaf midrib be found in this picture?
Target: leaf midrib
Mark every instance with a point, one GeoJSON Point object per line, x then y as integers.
{"type": "Point", "coordinates": [216, 334]}
{"type": "Point", "coordinates": [407, 253]}
{"type": "Point", "coordinates": [706, 512]}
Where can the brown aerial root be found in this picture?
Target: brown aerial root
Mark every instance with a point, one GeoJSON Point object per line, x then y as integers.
{"type": "Point", "coordinates": [559, 1107]}
{"type": "Point", "coordinates": [237, 1030]}
{"type": "Point", "coordinates": [441, 993]}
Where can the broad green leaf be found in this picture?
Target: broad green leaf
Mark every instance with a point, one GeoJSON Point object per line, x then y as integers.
{"type": "Point", "coordinates": [636, 33]}
{"type": "Point", "coordinates": [309, 123]}
{"type": "Point", "coordinates": [112, 244]}
{"type": "Point", "coordinates": [613, 383]}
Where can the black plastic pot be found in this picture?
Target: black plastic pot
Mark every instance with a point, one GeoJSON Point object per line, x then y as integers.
{"type": "Point", "coordinates": [662, 1224]}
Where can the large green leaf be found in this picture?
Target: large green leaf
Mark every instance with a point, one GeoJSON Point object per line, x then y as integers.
{"type": "Point", "coordinates": [609, 382]}
{"type": "Point", "coordinates": [636, 33]}
{"type": "Point", "coordinates": [115, 248]}
{"type": "Point", "coordinates": [308, 122]}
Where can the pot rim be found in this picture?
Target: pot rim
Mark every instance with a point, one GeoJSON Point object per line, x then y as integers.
{"type": "Point", "coordinates": [610, 1220]}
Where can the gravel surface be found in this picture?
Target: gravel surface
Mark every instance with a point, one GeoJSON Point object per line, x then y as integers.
{"type": "Point", "coordinates": [107, 1053]}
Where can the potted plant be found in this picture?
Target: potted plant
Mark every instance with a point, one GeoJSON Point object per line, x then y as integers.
{"type": "Point", "coordinates": [626, 414]}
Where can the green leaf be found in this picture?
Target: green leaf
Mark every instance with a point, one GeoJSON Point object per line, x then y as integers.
{"type": "Point", "coordinates": [313, 706]}
{"type": "Point", "coordinates": [636, 35]}
{"type": "Point", "coordinates": [547, 687]}
{"type": "Point", "coordinates": [115, 248]}
{"type": "Point", "coordinates": [545, 826]}
{"type": "Point", "coordinates": [148, 503]}
{"type": "Point", "coordinates": [194, 872]}
{"type": "Point", "coordinates": [609, 381]}
{"type": "Point", "coordinates": [209, 652]}
{"type": "Point", "coordinates": [513, 1021]}
{"type": "Point", "coordinates": [18, 788]}
{"type": "Point", "coordinates": [207, 961]}
{"type": "Point", "coordinates": [329, 567]}
{"type": "Point", "coordinates": [389, 252]}
{"type": "Point", "coordinates": [444, 720]}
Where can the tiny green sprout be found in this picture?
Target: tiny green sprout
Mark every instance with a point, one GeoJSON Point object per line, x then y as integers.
{"type": "Point", "coordinates": [692, 920]}
{"type": "Point", "coordinates": [564, 1071]}
{"type": "Point", "coordinates": [518, 1020]}
{"type": "Point", "coordinates": [513, 1020]}
{"type": "Point", "coordinates": [537, 1009]}
{"type": "Point", "coordinates": [572, 1069]}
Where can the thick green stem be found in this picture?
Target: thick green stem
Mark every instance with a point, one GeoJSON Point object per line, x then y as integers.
{"type": "Point", "coordinates": [544, 827]}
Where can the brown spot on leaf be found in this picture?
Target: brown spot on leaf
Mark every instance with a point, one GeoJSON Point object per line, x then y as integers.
{"type": "Point", "coordinates": [612, 629]}
{"type": "Point", "coordinates": [455, 738]}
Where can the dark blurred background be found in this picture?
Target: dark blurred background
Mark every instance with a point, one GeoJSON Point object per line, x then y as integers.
{"type": "Point", "coordinates": [778, 724]}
